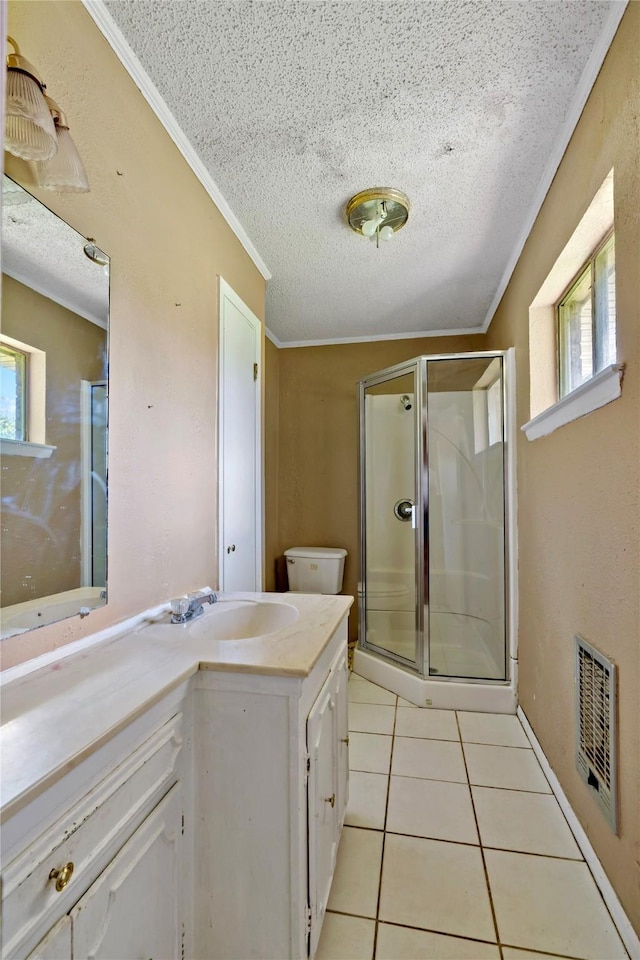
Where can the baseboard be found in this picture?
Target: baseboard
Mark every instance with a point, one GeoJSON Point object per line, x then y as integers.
{"type": "Point", "coordinates": [626, 931]}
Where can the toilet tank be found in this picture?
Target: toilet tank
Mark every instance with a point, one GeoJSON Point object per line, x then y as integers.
{"type": "Point", "coordinates": [315, 569]}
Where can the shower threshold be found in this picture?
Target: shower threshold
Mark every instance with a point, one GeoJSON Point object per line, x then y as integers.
{"type": "Point", "coordinates": [474, 695]}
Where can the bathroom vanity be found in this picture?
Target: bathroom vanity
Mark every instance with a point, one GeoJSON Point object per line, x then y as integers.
{"type": "Point", "coordinates": [174, 791]}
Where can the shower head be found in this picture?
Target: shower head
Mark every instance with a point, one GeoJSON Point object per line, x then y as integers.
{"type": "Point", "coordinates": [406, 401]}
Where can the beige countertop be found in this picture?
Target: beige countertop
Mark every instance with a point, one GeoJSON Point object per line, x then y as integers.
{"type": "Point", "coordinates": [56, 716]}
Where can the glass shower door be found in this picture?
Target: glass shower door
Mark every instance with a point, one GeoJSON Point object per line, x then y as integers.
{"type": "Point", "coordinates": [466, 497]}
{"type": "Point", "coordinates": [390, 604]}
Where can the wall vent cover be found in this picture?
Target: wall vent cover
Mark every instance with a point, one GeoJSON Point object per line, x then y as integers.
{"type": "Point", "coordinates": [596, 739]}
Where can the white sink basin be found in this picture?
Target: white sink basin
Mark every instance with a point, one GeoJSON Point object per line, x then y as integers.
{"type": "Point", "coordinates": [242, 620]}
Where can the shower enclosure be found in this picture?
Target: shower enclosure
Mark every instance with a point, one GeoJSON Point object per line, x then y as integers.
{"type": "Point", "coordinates": [434, 591]}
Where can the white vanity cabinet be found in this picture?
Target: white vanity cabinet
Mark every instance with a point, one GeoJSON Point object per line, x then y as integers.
{"type": "Point", "coordinates": [271, 761]}
{"type": "Point", "coordinates": [103, 880]}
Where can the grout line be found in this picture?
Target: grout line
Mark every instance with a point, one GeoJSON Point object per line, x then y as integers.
{"type": "Point", "coordinates": [384, 832]}
{"type": "Point", "coordinates": [484, 864]}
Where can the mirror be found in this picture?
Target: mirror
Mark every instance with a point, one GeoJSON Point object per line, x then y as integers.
{"type": "Point", "coordinates": [53, 417]}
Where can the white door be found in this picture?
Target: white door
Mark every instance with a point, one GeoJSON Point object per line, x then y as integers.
{"type": "Point", "coordinates": [133, 910]}
{"type": "Point", "coordinates": [240, 445]}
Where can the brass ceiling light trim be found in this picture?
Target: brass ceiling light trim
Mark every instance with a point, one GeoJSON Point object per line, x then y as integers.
{"type": "Point", "coordinates": [378, 212]}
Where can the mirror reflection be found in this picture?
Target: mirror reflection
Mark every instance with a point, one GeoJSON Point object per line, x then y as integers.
{"type": "Point", "coordinates": [53, 417]}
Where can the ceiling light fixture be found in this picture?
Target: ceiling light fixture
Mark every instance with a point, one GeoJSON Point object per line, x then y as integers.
{"type": "Point", "coordinates": [378, 212]}
{"type": "Point", "coordinates": [36, 129]}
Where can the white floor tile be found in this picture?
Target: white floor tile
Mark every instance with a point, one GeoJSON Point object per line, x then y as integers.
{"type": "Point", "coordinates": [433, 724]}
{"type": "Point", "coordinates": [357, 875]}
{"type": "Point", "coordinates": [367, 800]}
{"type": "Point", "coordinates": [363, 691]}
{"type": "Point", "coordinates": [550, 905]}
{"type": "Point", "coordinates": [343, 937]}
{"type": "Point", "coordinates": [371, 717]}
{"type": "Point", "coordinates": [528, 822]}
{"type": "Point", "coordinates": [431, 808]}
{"type": "Point", "coordinates": [436, 886]}
{"type": "Point", "coordinates": [499, 729]}
{"type": "Point", "coordinates": [406, 703]}
{"type": "Point", "coordinates": [430, 759]}
{"type": "Point", "coordinates": [370, 752]}
{"type": "Point", "coordinates": [507, 767]}
{"type": "Point", "coordinates": [402, 943]}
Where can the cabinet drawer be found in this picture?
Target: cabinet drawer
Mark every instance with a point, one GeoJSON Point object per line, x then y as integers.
{"type": "Point", "coordinates": [88, 836]}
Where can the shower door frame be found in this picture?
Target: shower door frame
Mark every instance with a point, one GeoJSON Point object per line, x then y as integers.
{"type": "Point", "coordinates": [419, 366]}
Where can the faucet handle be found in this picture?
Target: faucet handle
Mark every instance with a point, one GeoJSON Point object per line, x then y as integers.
{"type": "Point", "coordinates": [179, 609]}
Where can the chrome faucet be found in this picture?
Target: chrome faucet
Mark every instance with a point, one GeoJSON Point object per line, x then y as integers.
{"type": "Point", "coordinates": [191, 606]}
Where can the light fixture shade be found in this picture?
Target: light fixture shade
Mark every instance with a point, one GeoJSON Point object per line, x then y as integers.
{"type": "Point", "coordinates": [364, 209]}
{"type": "Point", "coordinates": [65, 171]}
{"type": "Point", "coordinates": [29, 129]}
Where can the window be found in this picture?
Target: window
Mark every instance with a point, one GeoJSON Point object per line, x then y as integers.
{"type": "Point", "coordinates": [13, 378]}
{"type": "Point", "coordinates": [587, 320]}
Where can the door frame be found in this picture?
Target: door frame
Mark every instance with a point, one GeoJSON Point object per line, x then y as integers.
{"type": "Point", "coordinates": [226, 294]}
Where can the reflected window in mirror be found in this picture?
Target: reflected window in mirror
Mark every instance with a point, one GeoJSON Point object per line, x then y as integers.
{"type": "Point", "coordinates": [53, 409]}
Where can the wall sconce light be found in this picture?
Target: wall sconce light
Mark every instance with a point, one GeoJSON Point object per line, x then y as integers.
{"type": "Point", "coordinates": [379, 212]}
{"type": "Point", "coordinates": [36, 129]}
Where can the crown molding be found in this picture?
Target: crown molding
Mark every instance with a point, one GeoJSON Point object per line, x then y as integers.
{"type": "Point", "coordinates": [420, 335]}
{"type": "Point", "coordinates": [40, 288]}
{"type": "Point", "coordinates": [115, 38]}
{"type": "Point", "coordinates": [585, 86]}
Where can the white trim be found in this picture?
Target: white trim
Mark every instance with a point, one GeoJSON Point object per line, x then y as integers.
{"type": "Point", "coordinates": [600, 390]}
{"type": "Point", "coordinates": [228, 293]}
{"type": "Point", "coordinates": [114, 36]}
{"type": "Point", "coordinates": [610, 897]}
{"type": "Point", "coordinates": [43, 291]}
{"type": "Point", "coordinates": [458, 332]}
{"type": "Point", "coordinates": [85, 484]}
{"type": "Point", "coordinates": [587, 80]}
{"type": "Point", "coordinates": [24, 448]}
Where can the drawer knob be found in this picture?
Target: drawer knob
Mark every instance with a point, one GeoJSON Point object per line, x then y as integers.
{"type": "Point", "coordinates": [331, 800]}
{"type": "Point", "coordinates": [61, 877]}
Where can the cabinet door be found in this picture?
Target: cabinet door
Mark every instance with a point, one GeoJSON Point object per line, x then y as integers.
{"type": "Point", "coordinates": [342, 713]}
{"type": "Point", "coordinates": [133, 909]}
{"type": "Point", "coordinates": [322, 741]}
{"type": "Point", "coordinates": [57, 943]}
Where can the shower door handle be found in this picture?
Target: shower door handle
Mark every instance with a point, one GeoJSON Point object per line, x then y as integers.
{"type": "Point", "coordinates": [405, 510]}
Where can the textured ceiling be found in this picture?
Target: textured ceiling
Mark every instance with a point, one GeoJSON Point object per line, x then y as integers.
{"type": "Point", "coordinates": [295, 106]}
{"type": "Point", "coordinates": [41, 250]}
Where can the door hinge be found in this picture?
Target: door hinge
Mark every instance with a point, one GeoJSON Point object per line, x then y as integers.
{"type": "Point", "coordinates": [255, 371]}
{"type": "Point", "coordinates": [309, 915]}
{"type": "Point", "coordinates": [307, 768]}
{"type": "Point", "coordinates": [183, 824]}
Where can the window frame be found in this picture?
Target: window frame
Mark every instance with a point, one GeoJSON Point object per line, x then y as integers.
{"type": "Point", "coordinates": [588, 266]}
{"type": "Point", "coordinates": [21, 424]}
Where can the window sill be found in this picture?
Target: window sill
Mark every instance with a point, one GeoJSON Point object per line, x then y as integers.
{"type": "Point", "coordinates": [23, 448]}
{"type": "Point", "coordinates": [600, 390]}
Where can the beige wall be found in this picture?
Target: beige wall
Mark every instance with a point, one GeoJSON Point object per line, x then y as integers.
{"type": "Point", "coordinates": [578, 509]}
{"type": "Point", "coordinates": [167, 243]}
{"type": "Point", "coordinates": [316, 476]}
{"type": "Point", "coordinates": [37, 561]}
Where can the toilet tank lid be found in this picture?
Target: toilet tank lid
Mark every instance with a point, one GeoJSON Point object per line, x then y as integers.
{"type": "Point", "coordinates": [316, 553]}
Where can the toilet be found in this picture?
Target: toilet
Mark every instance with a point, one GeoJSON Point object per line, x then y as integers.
{"type": "Point", "coordinates": [315, 569]}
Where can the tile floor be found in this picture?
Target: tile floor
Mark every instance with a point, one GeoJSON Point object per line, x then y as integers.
{"type": "Point", "coordinates": [454, 847]}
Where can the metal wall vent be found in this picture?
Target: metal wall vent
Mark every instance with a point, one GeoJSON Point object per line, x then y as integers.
{"type": "Point", "coordinates": [596, 738]}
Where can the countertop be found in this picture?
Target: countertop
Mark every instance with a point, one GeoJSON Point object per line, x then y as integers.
{"type": "Point", "coordinates": [56, 716]}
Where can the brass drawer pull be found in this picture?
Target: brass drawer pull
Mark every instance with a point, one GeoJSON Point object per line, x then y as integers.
{"type": "Point", "coordinates": [331, 800]}
{"type": "Point", "coordinates": [61, 877]}
{"type": "Point", "coordinates": [345, 740]}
